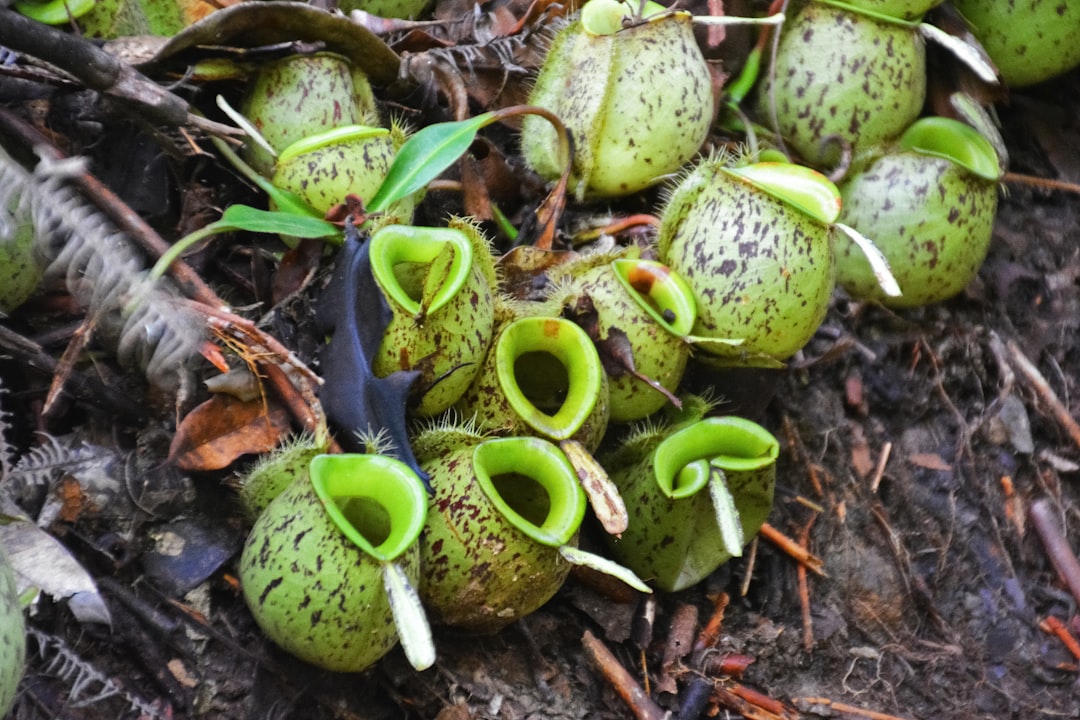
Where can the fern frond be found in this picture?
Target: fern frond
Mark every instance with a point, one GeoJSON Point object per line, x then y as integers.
{"type": "Point", "coordinates": [87, 684]}
{"type": "Point", "coordinates": [7, 452]}
{"type": "Point", "coordinates": [44, 464]}
{"type": "Point", "coordinates": [103, 269]}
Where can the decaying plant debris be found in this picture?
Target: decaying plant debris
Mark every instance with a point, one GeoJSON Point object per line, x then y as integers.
{"type": "Point", "coordinates": [929, 463]}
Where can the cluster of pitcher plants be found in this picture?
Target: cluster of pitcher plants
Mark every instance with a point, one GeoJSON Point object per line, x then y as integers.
{"type": "Point", "coordinates": [480, 427]}
{"type": "Point", "coordinates": [470, 515]}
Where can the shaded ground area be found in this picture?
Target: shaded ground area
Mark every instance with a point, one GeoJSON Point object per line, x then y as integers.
{"type": "Point", "coordinates": [914, 446]}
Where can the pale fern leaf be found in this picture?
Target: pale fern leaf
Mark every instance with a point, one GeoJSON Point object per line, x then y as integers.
{"type": "Point", "coordinates": [147, 321]}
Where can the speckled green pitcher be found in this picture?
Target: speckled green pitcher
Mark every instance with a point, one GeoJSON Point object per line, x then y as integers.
{"type": "Point", "coordinates": [696, 494]}
{"type": "Point", "coordinates": [330, 566]}
{"type": "Point", "coordinates": [502, 531]}
{"type": "Point", "coordinates": [12, 636]}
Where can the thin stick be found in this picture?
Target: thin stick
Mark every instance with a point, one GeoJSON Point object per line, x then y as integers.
{"type": "Point", "coordinates": [66, 365]}
{"type": "Point", "coordinates": [1053, 626]}
{"type": "Point", "coordinates": [752, 704]}
{"type": "Point", "coordinates": [1057, 547]}
{"type": "Point", "coordinates": [800, 554]}
{"type": "Point", "coordinates": [804, 592]}
{"type": "Point", "coordinates": [1014, 508]}
{"type": "Point", "coordinates": [1042, 389]}
{"type": "Point", "coordinates": [1041, 183]}
{"type": "Point", "coordinates": [844, 708]}
{"type": "Point", "coordinates": [879, 471]}
{"type": "Point", "coordinates": [711, 632]}
{"type": "Point", "coordinates": [624, 683]}
{"type": "Point", "coordinates": [751, 562]}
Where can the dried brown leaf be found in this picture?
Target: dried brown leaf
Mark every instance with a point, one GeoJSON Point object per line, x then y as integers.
{"type": "Point", "coordinates": [223, 428]}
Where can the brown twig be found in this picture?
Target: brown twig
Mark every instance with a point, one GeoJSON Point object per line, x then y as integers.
{"type": "Point", "coordinates": [1014, 507]}
{"type": "Point", "coordinates": [1041, 183]}
{"type": "Point", "coordinates": [1057, 547]}
{"type": "Point", "coordinates": [798, 553]}
{"type": "Point", "coordinates": [804, 590]}
{"type": "Point", "coordinates": [839, 707]}
{"type": "Point", "coordinates": [1038, 383]}
{"type": "Point", "coordinates": [625, 685]}
{"type": "Point", "coordinates": [617, 226]}
{"type": "Point", "coordinates": [1052, 626]}
{"type": "Point", "coordinates": [879, 471]}
{"type": "Point", "coordinates": [752, 704]}
{"type": "Point", "coordinates": [66, 364]}
{"type": "Point", "coordinates": [711, 632]}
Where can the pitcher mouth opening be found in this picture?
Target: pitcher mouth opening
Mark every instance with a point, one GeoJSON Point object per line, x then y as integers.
{"type": "Point", "coordinates": [532, 483]}
{"type": "Point", "coordinates": [550, 373]}
{"type": "Point", "coordinates": [420, 268]}
{"type": "Point", "coordinates": [543, 380]}
{"type": "Point", "coordinates": [377, 502]}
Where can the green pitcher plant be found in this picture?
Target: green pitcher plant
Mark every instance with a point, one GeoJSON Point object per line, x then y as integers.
{"type": "Point", "coordinates": [330, 567]}
{"type": "Point", "coordinates": [929, 203]}
{"type": "Point", "coordinates": [325, 167]}
{"type": "Point", "coordinates": [636, 97]}
{"type": "Point", "coordinates": [12, 636]}
{"type": "Point", "coordinates": [852, 74]}
{"type": "Point", "coordinates": [502, 530]}
{"type": "Point", "coordinates": [844, 72]}
{"type": "Point", "coordinates": [302, 95]}
{"type": "Point", "coordinates": [640, 307]}
{"type": "Point", "coordinates": [754, 243]}
{"type": "Point", "coordinates": [440, 285]}
{"type": "Point", "coordinates": [542, 376]}
{"type": "Point", "coordinates": [1029, 42]}
{"type": "Point", "coordinates": [696, 492]}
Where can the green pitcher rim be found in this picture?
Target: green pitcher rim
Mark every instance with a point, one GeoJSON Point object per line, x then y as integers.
{"type": "Point", "coordinates": [394, 244]}
{"type": "Point", "coordinates": [734, 444]}
{"type": "Point", "coordinates": [545, 464]}
{"type": "Point", "coordinates": [385, 480]}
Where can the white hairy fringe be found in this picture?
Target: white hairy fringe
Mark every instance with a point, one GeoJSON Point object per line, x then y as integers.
{"type": "Point", "coordinates": [102, 268]}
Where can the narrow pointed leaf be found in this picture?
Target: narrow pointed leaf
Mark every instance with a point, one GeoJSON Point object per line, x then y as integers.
{"type": "Point", "coordinates": [603, 495]}
{"type": "Point", "coordinates": [423, 158]}
{"type": "Point", "coordinates": [245, 217]}
{"type": "Point", "coordinates": [409, 618]}
{"type": "Point", "coordinates": [964, 52]}
{"type": "Point", "coordinates": [878, 263]}
{"type": "Point", "coordinates": [727, 514]}
{"type": "Point", "coordinates": [246, 125]}
{"type": "Point", "coordinates": [576, 556]}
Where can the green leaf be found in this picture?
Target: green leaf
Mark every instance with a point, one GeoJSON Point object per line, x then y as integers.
{"type": "Point", "coordinates": [244, 217]}
{"type": "Point", "coordinates": [56, 12]}
{"type": "Point", "coordinates": [424, 156]}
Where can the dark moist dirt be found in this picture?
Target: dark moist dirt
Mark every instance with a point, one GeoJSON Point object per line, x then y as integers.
{"type": "Point", "coordinates": [898, 431]}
